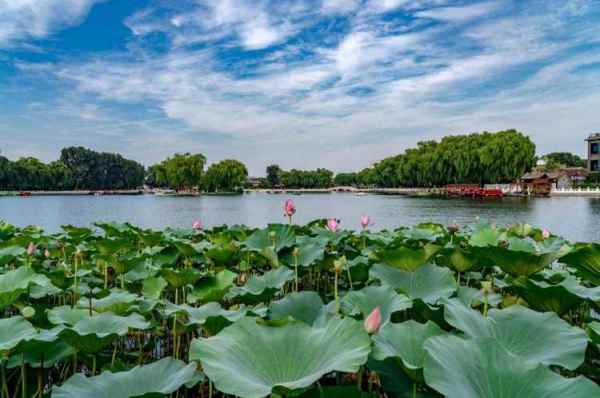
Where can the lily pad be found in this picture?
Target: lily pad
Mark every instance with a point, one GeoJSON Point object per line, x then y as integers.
{"type": "Point", "coordinates": [252, 360]}
{"type": "Point", "coordinates": [476, 368]}
{"type": "Point", "coordinates": [161, 377]}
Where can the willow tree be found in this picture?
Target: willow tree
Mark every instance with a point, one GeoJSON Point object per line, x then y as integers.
{"type": "Point", "coordinates": [228, 175]}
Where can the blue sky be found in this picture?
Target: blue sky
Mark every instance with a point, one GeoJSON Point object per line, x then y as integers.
{"type": "Point", "coordinates": [302, 83]}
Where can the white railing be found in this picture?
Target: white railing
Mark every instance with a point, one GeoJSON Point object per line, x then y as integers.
{"type": "Point", "coordinates": [577, 191]}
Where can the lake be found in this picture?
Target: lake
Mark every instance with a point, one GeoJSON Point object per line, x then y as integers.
{"type": "Point", "coordinates": [575, 218]}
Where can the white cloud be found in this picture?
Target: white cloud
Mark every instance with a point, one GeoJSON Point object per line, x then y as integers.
{"type": "Point", "coordinates": [25, 19]}
{"type": "Point", "coordinates": [460, 14]}
{"type": "Point", "coordinates": [339, 6]}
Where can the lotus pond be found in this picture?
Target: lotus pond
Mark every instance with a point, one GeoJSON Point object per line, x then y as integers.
{"type": "Point", "coordinates": [298, 311]}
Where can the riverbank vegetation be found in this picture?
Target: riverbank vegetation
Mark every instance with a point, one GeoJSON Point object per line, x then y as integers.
{"type": "Point", "coordinates": [481, 158]}
{"type": "Point", "coordinates": [77, 168]}
{"type": "Point", "coordinates": [298, 311]}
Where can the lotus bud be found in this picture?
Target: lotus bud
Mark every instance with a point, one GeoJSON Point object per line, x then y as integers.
{"type": "Point", "coordinates": [373, 321]}
{"type": "Point", "coordinates": [47, 253]}
{"type": "Point", "coordinates": [365, 221]}
{"type": "Point", "coordinates": [28, 312]}
{"type": "Point", "coordinates": [197, 225]}
{"type": "Point", "coordinates": [545, 234]}
{"type": "Point", "coordinates": [486, 286]}
{"type": "Point", "coordinates": [31, 249]}
{"type": "Point", "coordinates": [453, 228]}
{"type": "Point", "coordinates": [289, 208]}
{"type": "Point", "coordinates": [296, 252]}
{"type": "Point", "coordinates": [332, 224]}
{"type": "Point", "coordinates": [338, 264]}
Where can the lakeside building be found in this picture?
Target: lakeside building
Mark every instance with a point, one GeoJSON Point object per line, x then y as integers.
{"type": "Point", "coordinates": [593, 152]}
{"type": "Point", "coordinates": [542, 183]}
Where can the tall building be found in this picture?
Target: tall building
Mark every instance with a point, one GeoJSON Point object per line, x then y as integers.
{"type": "Point", "coordinates": [594, 152]}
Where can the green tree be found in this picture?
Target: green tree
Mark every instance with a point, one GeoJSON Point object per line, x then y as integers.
{"type": "Point", "coordinates": [564, 159]}
{"type": "Point", "coordinates": [225, 176]}
{"type": "Point", "coordinates": [345, 179]}
{"type": "Point", "coordinates": [180, 172]}
{"type": "Point", "coordinates": [274, 175]}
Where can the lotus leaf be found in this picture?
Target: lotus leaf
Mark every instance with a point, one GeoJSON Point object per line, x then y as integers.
{"type": "Point", "coordinates": [15, 282]}
{"type": "Point", "coordinates": [252, 360]}
{"type": "Point", "coordinates": [152, 288]}
{"type": "Point", "coordinates": [257, 288]}
{"type": "Point", "coordinates": [180, 278]}
{"type": "Point", "coordinates": [14, 330]}
{"type": "Point", "coordinates": [365, 300]}
{"type": "Point", "coordinates": [277, 236]}
{"type": "Point", "coordinates": [514, 328]}
{"type": "Point", "coordinates": [66, 315]}
{"type": "Point", "coordinates": [213, 288]}
{"type": "Point", "coordinates": [429, 283]}
{"type": "Point", "coordinates": [585, 257]}
{"type": "Point", "coordinates": [408, 258]}
{"type": "Point", "coordinates": [476, 368]}
{"type": "Point", "coordinates": [161, 377]}
{"type": "Point", "coordinates": [304, 306]}
{"type": "Point", "coordinates": [405, 341]}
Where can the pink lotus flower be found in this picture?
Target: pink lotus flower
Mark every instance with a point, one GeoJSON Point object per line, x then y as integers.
{"type": "Point", "coordinates": [365, 221]}
{"type": "Point", "coordinates": [545, 234]}
{"type": "Point", "coordinates": [373, 321]}
{"type": "Point", "coordinates": [31, 249]}
{"type": "Point", "coordinates": [332, 224]}
{"type": "Point", "coordinates": [197, 225]}
{"type": "Point", "coordinates": [47, 253]}
{"type": "Point", "coordinates": [289, 208]}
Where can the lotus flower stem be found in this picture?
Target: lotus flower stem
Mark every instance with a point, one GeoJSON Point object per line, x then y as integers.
{"type": "Point", "coordinates": [23, 378]}
{"type": "Point", "coordinates": [4, 392]}
{"type": "Point", "coordinates": [114, 354]}
{"type": "Point", "coordinates": [349, 278]}
{"type": "Point", "coordinates": [335, 289]}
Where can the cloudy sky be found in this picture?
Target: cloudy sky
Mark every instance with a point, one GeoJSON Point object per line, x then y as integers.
{"type": "Point", "coordinates": [302, 83]}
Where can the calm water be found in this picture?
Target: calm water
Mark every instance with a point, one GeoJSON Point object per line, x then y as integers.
{"type": "Point", "coordinates": [576, 219]}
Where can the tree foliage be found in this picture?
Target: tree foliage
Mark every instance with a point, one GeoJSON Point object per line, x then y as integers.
{"type": "Point", "coordinates": [565, 159]}
{"type": "Point", "coordinates": [319, 178]}
{"type": "Point", "coordinates": [78, 168]}
{"type": "Point", "coordinates": [274, 175]}
{"type": "Point", "coordinates": [228, 175]}
{"type": "Point", "coordinates": [475, 158]}
{"type": "Point", "coordinates": [345, 179]}
{"type": "Point", "coordinates": [181, 172]}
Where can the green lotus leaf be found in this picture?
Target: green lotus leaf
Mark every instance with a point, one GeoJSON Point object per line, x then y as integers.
{"type": "Point", "coordinates": [337, 392]}
{"type": "Point", "coordinates": [14, 330]}
{"type": "Point", "coordinates": [304, 306]}
{"type": "Point", "coordinates": [485, 235]}
{"type": "Point", "coordinates": [310, 250]}
{"type": "Point", "coordinates": [405, 341]}
{"type": "Point", "coordinates": [585, 258]}
{"type": "Point", "coordinates": [251, 360]}
{"type": "Point", "coordinates": [39, 353]}
{"type": "Point", "coordinates": [365, 300]}
{"type": "Point", "coordinates": [394, 380]}
{"type": "Point", "coordinates": [457, 258]}
{"type": "Point", "coordinates": [224, 254]}
{"type": "Point", "coordinates": [472, 297]}
{"type": "Point", "coordinates": [9, 253]}
{"type": "Point", "coordinates": [425, 232]}
{"type": "Point", "coordinates": [476, 368]}
{"type": "Point", "coordinates": [118, 301]}
{"type": "Point", "coordinates": [213, 288]}
{"type": "Point", "coordinates": [517, 262]}
{"type": "Point", "coordinates": [559, 297]}
{"type": "Point", "coordinates": [258, 288]}
{"type": "Point", "coordinates": [162, 377]}
{"type": "Point", "coordinates": [212, 316]}
{"type": "Point", "coordinates": [429, 283]}
{"type": "Point", "coordinates": [152, 288]}
{"type": "Point", "coordinates": [514, 328]}
{"type": "Point", "coordinates": [180, 278]}
{"type": "Point", "coordinates": [278, 236]}
{"type": "Point", "coordinates": [16, 282]}
{"type": "Point", "coordinates": [593, 330]}
{"type": "Point", "coordinates": [67, 315]}
{"type": "Point", "coordinates": [408, 258]}
{"type": "Point", "coordinates": [93, 333]}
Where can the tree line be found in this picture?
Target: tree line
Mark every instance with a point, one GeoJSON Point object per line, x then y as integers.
{"type": "Point", "coordinates": [77, 168]}
{"type": "Point", "coordinates": [474, 158]}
